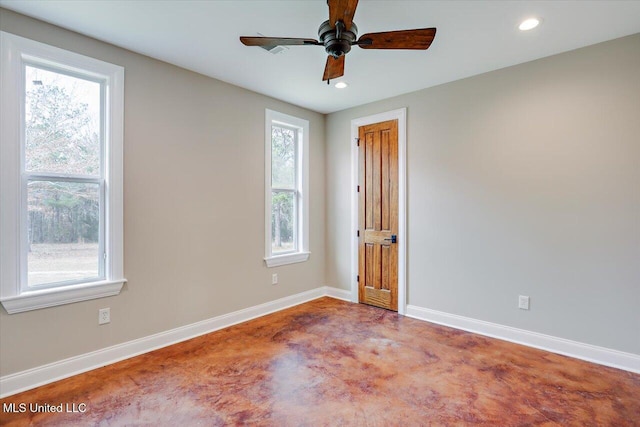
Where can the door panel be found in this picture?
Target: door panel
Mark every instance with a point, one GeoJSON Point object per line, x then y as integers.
{"type": "Point", "coordinates": [378, 215]}
{"type": "Point", "coordinates": [369, 210]}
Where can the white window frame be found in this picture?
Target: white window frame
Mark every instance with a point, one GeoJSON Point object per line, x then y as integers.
{"type": "Point", "coordinates": [15, 52]}
{"type": "Point", "coordinates": [301, 127]}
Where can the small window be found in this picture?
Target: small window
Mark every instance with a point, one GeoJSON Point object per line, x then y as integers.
{"type": "Point", "coordinates": [62, 199]}
{"type": "Point", "coordinates": [286, 185]}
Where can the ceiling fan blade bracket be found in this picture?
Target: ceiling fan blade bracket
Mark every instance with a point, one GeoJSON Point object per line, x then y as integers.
{"type": "Point", "coordinates": [363, 42]}
{"type": "Point", "coordinates": [339, 29]}
{"type": "Point", "coordinates": [342, 10]}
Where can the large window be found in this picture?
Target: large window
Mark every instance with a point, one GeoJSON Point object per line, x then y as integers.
{"type": "Point", "coordinates": [286, 189]}
{"type": "Point", "coordinates": [61, 156]}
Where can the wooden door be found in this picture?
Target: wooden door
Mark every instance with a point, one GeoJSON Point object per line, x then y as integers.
{"type": "Point", "coordinates": [378, 215]}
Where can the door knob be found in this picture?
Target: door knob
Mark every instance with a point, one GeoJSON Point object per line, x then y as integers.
{"type": "Point", "coordinates": [393, 239]}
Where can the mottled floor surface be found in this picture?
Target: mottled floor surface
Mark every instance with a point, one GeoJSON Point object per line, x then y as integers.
{"type": "Point", "coordinates": [329, 362]}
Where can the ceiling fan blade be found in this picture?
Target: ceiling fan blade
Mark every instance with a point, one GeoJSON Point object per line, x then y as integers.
{"type": "Point", "coordinates": [334, 68]}
{"type": "Point", "coordinates": [404, 39]}
{"type": "Point", "coordinates": [276, 41]}
{"type": "Point", "coordinates": [342, 10]}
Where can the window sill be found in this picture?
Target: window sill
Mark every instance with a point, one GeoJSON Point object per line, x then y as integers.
{"type": "Point", "coordinates": [279, 260]}
{"type": "Point", "coordinates": [35, 300]}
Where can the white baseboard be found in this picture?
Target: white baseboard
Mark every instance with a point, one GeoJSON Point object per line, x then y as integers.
{"type": "Point", "coordinates": [41, 375]}
{"type": "Point", "coordinates": [591, 353]}
{"type": "Point", "coordinates": [337, 293]}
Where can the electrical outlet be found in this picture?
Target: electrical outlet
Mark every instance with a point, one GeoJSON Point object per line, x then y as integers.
{"type": "Point", "coordinates": [523, 302]}
{"type": "Point", "coordinates": [104, 316]}
{"type": "Point", "coordinates": [274, 279]}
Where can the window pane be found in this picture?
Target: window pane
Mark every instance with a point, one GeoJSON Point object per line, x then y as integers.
{"type": "Point", "coordinates": [283, 157]}
{"type": "Point", "coordinates": [62, 123]}
{"type": "Point", "coordinates": [64, 231]}
{"type": "Point", "coordinates": [283, 221]}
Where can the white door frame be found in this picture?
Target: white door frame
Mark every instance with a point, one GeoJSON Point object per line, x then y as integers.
{"type": "Point", "coordinates": [401, 116]}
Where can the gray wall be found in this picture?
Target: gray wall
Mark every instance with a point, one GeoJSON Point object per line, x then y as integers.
{"type": "Point", "coordinates": [524, 180]}
{"type": "Point", "coordinates": [193, 215]}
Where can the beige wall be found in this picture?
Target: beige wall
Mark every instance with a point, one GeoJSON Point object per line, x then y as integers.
{"type": "Point", "coordinates": [521, 181]}
{"type": "Point", "coordinates": [193, 216]}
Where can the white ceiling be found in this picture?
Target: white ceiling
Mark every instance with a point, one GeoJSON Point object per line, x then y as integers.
{"type": "Point", "coordinates": [473, 37]}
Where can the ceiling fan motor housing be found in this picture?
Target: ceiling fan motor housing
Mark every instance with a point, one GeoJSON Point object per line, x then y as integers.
{"type": "Point", "coordinates": [337, 41]}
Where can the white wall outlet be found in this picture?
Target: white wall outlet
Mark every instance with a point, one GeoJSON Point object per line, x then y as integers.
{"type": "Point", "coordinates": [274, 279]}
{"type": "Point", "coordinates": [523, 302]}
{"type": "Point", "coordinates": [104, 316]}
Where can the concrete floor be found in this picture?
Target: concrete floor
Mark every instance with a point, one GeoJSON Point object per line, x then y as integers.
{"type": "Point", "coordinates": [328, 363]}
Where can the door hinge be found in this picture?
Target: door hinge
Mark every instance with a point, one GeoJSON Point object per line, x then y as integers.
{"type": "Point", "coordinates": [358, 278]}
{"type": "Point", "coordinates": [358, 233]}
{"type": "Point", "coordinates": [358, 142]}
{"type": "Point", "coordinates": [358, 188]}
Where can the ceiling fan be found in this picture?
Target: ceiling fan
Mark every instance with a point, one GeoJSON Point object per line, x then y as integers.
{"type": "Point", "coordinates": [339, 33]}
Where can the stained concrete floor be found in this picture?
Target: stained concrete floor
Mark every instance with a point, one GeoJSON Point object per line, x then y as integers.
{"type": "Point", "coordinates": [333, 363]}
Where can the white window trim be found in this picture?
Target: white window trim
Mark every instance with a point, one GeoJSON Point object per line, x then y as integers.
{"type": "Point", "coordinates": [14, 50]}
{"type": "Point", "coordinates": [302, 254]}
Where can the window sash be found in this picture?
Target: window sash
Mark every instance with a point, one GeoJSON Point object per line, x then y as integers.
{"type": "Point", "coordinates": [296, 158]}
{"type": "Point", "coordinates": [40, 175]}
{"type": "Point", "coordinates": [24, 230]}
{"type": "Point", "coordinates": [295, 238]}
{"type": "Point", "coordinates": [295, 191]}
{"type": "Point", "coordinates": [34, 62]}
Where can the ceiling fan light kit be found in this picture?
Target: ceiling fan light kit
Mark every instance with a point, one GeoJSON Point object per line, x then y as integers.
{"type": "Point", "coordinates": [339, 33]}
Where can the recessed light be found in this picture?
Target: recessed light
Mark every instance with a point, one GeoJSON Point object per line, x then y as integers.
{"type": "Point", "coordinates": [341, 85]}
{"type": "Point", "coordinates": [529, 24]}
